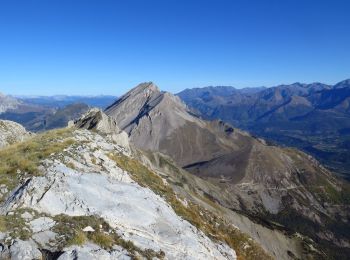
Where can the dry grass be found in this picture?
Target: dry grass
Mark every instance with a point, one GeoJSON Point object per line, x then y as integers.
{"type": "Point", "coordinates": [212, 225]}
{"type": "Point", "coordinates": [24, 158]}
{"type": "Point", "coordinates": [79, 239]}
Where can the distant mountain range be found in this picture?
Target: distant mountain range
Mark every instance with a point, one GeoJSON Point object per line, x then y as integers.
{"type": "Point", "coordinates": [39, 113]}
{"type": "Point", "coordinates": [313, 117]}
{"type": "Point", "coordinates": [60, 101]}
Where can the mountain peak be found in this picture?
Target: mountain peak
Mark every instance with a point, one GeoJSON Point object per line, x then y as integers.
{"type": "Point", "coordinates": [145, 87]}
{"type": "Point", "coordinates": [139, 102]}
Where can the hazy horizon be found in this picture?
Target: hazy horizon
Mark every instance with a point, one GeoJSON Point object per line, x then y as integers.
{"type": "Point", "coordinates": [117, 95]}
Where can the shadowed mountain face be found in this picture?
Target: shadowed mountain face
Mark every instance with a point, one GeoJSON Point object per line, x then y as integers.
{"type": "Point", "coordinates": [313, 117]}
{"type": "Point", "coordinates": [268, 183]}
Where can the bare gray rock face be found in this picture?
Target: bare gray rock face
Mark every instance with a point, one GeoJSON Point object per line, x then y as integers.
{"type": "Point", "coordinates": [98, 121]}
{"type": "Point", "coordinates": [159, 121]}
{"type": "Point", "coordinates": [11, 132]}
{"type": "Point", "coordinates": [93, 252]}
{"type": "Point", "coordinates": [24, 250]}
{"type": "Point", "coordinates": [4, 252]}
{"type": "Point", "coordinates": [95, 119]}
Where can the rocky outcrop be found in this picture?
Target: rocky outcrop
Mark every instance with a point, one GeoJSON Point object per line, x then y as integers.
{"type": "Point", "coordinates": [20, 250]}
{"type": "Point", "coordinates": [11, 132]}
{"type": "Point", "coordinates": [97, 120]}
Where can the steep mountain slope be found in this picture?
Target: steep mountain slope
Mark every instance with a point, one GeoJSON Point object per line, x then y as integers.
{"type": "Point", "coordinates": [314, 117]}
{"type": "Point", "coordinates": [264, 182]}
{"type": "Point", "coordinates": [197, 190]}
{"type": "Point", "coordinates": [152, 120]}
{"type": "Point", "coordinates": [77, 194]}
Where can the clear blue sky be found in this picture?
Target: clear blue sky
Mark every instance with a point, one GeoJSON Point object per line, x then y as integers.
{"type": "Point", "coordinates": [106, 47]}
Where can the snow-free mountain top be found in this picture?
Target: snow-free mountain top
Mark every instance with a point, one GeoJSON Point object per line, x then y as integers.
{"type": "Point", "coordinates": [152, 118]}
{"type": "Point", "coordinates": [147, 100]}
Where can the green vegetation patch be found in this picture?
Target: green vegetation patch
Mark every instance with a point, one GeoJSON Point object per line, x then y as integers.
{"type": "Point", "coordinates": [71, 231]}
{"type": "Point", "coordinates": [213, 226]}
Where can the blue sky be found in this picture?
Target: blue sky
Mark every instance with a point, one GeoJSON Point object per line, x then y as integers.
{"type": "Point", "coordinates": [106, 47]}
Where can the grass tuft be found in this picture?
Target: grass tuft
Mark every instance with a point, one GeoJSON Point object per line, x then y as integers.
{"type": "Point", "coordinates": [79, 239]}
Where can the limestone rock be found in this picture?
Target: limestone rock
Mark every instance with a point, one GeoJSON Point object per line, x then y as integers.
{"type": "Point", "coordinates": [108, 191]}
{"type": "Point", "coordinates": [24, 250]}
{"type": "Point", "coordinates": [98, 121]}
{"type": "Point", "coordinates": [94, 252]}
{"type": "Point", "coordinates": [11, 132]}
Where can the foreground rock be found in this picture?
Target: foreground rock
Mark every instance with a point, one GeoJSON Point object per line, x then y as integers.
{"type": "Point", "coordinates": [98, 121]}
{"type": "Point", "coordinates": [11, 132]}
